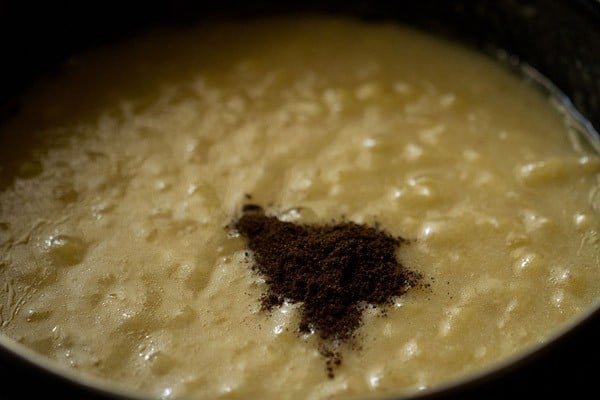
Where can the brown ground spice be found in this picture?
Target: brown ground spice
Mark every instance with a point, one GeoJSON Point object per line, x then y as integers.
{"type": "Point", "coordinates": [334, 270]}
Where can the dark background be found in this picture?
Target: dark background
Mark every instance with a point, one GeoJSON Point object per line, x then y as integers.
{"type": "Point", "coordinates": [559, 38]}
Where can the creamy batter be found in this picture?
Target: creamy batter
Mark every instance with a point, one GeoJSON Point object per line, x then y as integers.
{"type": "Point", "coordinates": [119, 175]}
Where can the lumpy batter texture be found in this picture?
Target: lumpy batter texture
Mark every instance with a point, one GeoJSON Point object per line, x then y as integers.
{"type": "Point", "coordinates": [119, 176]}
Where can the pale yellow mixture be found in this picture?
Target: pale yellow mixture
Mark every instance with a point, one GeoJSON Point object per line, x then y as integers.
{"type": "Point", "coordinates": [114, 254]}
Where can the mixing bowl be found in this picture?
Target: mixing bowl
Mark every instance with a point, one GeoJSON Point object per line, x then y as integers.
{"type": "Point", "coordinates": [558, 39]}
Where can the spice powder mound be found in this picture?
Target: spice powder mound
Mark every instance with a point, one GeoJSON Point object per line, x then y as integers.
{"type": "Point", "coordinates": [333, 270]}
